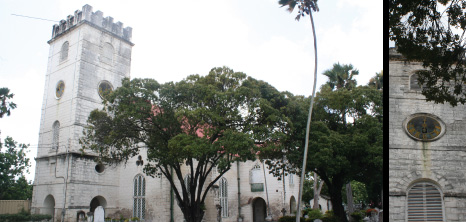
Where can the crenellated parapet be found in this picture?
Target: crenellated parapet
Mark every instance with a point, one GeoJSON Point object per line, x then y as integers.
{"type": "Point", "coordinates": [94, 18]}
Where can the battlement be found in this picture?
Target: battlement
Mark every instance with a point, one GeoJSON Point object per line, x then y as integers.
{"type": "Point", "coordinates": [95, 18]}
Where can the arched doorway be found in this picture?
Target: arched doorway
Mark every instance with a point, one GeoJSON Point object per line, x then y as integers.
{"type": "Point", "coordinates": [98, 201]}
{"type": "Point", "coordinates": [49, 206]}
{"type": "Point", "coordinates": [258, 210]}
{"type": "Point", "coordinates": [292, 205]}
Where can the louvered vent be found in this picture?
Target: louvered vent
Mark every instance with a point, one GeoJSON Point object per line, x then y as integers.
{"type": "Point", "coordinates": [424, 203]}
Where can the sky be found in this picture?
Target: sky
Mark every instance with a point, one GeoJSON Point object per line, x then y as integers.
{"type": "Point", "coordinates": [174, 39]}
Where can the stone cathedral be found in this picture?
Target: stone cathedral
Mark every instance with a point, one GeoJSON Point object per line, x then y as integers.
{"type": "Point", "coordinates": [427, 147]}
{"type": "Point", "coordinates": [90, 54]}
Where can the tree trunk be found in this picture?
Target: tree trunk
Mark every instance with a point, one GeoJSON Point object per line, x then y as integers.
{"type": "Point", "coordinates": [317, 191]}
{"type": "Point", "coordinates": [337, 203]}
{"type": "Point", "coordinates": [349, 198]}
{"type": "Point", "coordinates": [192, 214]}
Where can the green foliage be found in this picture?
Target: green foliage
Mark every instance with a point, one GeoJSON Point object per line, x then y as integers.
{"type": "Point", "coordinates": [290, 219]}
{"type": "Point", "coordinates": [330, 217]}
{"type": "Point", "coordinates": [425, 31]}
{"type": "Point", "coordinates": [304, 6]}
{"type": "Point", "coordinates": [359, 193]}
{"type": "Point", "coordinates": [377, 81]}
{"type": "Point", "coordinates": [200, 122]}
{"type": "Point", "coordinates": [341, 76]}
{"type": "Point", "coordinates": [5, 105]}
{"type": "Point", "coordinates": [357, 216]}
{"type": "Point", "coordinates": [313, 214]}
{"type": "Point", "coordinates": [13, 185]}
{"type": "Point", "coordinates": [340, 150]}
{"type": "Point", "coordinates": [24, 216]}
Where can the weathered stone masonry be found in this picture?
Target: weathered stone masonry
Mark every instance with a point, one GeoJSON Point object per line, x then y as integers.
{"type": "Point", "coordinates": [441, 163]}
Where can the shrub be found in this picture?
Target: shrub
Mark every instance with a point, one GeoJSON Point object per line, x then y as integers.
{"type": "Point", "coordinates": [313, 214]}
{"type": "Point", "coordinates": [290, 219]}
{"type": "Point", "coordinates": [357, 216]}
{"type": "Point", "coordinates": [24, 216]}
{"type": "Point", "coordinates": [332, 218]}
{"type": "Point", "coordinates": [329, 217]}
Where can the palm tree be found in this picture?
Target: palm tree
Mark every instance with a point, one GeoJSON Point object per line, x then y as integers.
{"type": "Point", "coordinates": [341, 76]}
{"type": "Point", "coordinates": [305, 7]}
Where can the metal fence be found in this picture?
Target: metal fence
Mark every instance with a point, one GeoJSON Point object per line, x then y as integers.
{"type": "Point", "coordinates": [14, 206]}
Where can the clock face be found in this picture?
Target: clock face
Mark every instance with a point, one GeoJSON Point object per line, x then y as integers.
{"type": "Point", "coordinates": [104, 89]}
{"type": "Point", "coordinates": [424, 128]}
{"type": "Point", "coordinates": [59, 89]}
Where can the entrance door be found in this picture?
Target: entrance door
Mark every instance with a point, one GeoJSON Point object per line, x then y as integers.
{"type": "Point", "coordinates": [259, 210]}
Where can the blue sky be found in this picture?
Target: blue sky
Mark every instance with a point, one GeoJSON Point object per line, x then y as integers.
{"type": "Point", "coordinates": [176, 38]}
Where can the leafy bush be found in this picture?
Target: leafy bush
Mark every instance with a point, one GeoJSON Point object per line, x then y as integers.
{"type": "Point", "coordinates": [290, 219]}
{"type": "Point", "coordinates": [313, 214]}
{"type": "Point", "coordinates": [329, 217]}
{"type": "Point", "coordinates": [357, 216]}
{"type": "Point", "coordinates": [24, 216]}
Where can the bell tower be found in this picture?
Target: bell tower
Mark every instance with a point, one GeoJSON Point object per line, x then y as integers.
{"type": "Point", "coordinates": [89, 56]}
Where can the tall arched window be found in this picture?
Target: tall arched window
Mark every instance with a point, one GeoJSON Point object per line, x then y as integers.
{"type": "Point", "coordinates": [139, 197]}
{"type": "Point", "coordinates": [56, 135]}
{"type": "Point", "coordinates": [224, 196]}
{"type": "Point", "coordinates": [64, 51]}
{"type": "Point", "coordinates": [424, 203]}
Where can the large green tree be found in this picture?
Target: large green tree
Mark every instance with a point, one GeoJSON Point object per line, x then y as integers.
{"type": "Point", "coordinates": [342, 148]}
{"type": "Point", "coordinates": [13, 165]}
{"type": "Point", "coordinates": [432, 32]}
{"type": "Point", "coordinates": [197, 124]}
{"type": "Point", "coordinates": [13, 161]}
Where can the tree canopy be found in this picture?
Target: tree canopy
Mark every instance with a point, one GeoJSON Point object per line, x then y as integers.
{"type": "Point", "coordinates": [13, 165]}
{"type": "Point", "coordinates": [202, 123]}
{"type": "Point", "coordinates": [13, 161]}
{"type": "Point", "coordinates": [432, 32]}
{"type": "Point", "coordinates": [345, 141]}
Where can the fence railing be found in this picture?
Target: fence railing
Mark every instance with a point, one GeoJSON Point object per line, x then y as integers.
{"type": "Point", "coordinates": [14, 206]}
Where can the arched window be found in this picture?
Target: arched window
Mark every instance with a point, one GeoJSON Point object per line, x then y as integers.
{"type": "Point", "coordinates": [139, 197]}
{"type": "Point", "coordinates": [414, 83]}
{"type": "Point", "coordinates": [424, 203]}
{"type": "Point", "coordinates": [64, 51]}
{"type": "Point", "coordinates": [107, 53]}
{"type": "Point", "coordinates": [256, 178]}
{"type": "Point", "coordinates": [224, 196]}
{"type": "Point", "coordinates": [56, 135]}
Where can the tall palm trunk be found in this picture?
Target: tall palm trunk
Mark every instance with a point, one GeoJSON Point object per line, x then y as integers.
{"type": "Point", "coordinates": [303, 172]}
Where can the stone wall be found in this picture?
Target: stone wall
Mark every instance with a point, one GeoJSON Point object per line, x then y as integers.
{"type": "Point", "coordinates": [440, 162]}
